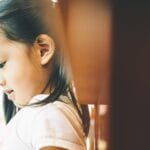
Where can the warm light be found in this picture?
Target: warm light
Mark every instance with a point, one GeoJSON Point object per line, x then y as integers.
{"type": "Point", "coordinates": [55, 1]}
{"type": "Point", "coordinates": [103, 110]}
{"type": "Point", "coordinates": [102, 145]}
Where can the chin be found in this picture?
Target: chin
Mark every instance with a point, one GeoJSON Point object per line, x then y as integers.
{"type": "Point", "coordinates": [18, 104]}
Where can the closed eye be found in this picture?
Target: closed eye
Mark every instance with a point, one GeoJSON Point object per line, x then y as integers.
{"type": "Point", "coordinates": [2, 64]}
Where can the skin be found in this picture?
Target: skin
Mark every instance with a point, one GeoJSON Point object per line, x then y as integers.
{"type": "Point", "coordinates": [23, 68]}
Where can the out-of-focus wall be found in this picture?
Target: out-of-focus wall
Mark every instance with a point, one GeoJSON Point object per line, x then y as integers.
{"type": "Point", "coordinates": [89, 39]}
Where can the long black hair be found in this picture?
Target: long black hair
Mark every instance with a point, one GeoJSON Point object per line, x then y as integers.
{"type": "Point", "coordinates": [20, 20]}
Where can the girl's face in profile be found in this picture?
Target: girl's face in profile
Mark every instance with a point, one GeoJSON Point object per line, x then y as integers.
{"type": "Point", "coordinates": [21, 74]}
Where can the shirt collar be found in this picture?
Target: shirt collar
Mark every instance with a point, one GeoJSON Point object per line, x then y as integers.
{"type": "Point", "coordinates": [38, 98]}
{"type": "Point", "coordinates": [35, 99]}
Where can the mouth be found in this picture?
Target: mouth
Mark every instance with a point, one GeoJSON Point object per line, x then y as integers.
{"type": "Point", "coordinates": [8, 92]}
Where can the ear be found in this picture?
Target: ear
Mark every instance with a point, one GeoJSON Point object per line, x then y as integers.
{"type": "Point", "coordinates": [46, 48]}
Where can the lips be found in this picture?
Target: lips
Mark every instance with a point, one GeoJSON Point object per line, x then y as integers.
{"type": "Point", "coordinates": [8, 92]}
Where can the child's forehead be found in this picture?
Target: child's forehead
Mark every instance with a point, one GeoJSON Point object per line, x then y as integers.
{"type": "Point", "coordinates": [8, 47]}
{"type": "Point", "coordinates": [3, 56]}
{"type": "Point", "coordinates": [3, 37]}
{"type": "Point", "coordinates": [4, 41]}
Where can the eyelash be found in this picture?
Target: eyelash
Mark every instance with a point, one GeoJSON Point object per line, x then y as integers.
{"type": "Point", "coordinates": [2, 64]}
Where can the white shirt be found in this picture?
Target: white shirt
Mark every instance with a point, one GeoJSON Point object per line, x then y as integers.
{"type": "Point", "coordinates": [54, 124]}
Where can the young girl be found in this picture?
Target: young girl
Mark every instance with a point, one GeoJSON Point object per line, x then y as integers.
{"type": "Point", "coordinates": [40, 108]}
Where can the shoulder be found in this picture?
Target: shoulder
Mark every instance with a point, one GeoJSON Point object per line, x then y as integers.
{"type": "Point", "coordinates": [58, 117]}
{"type": "Point", "coordinates": [58, 124]}
{"type": "Point", "coordinates": [59, 111]}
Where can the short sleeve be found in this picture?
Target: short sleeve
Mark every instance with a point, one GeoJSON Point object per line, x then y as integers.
{"type": "Point", "coordinates": [58, 126]}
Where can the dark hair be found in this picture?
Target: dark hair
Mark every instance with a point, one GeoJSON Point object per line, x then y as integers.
{"type": "Point", "coordinates": [20, 20]}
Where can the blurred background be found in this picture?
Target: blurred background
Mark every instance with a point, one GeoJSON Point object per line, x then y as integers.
{"type": "Point", "coordinates": [107, 43]}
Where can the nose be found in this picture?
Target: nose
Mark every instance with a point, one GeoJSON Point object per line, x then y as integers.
{"type": "Point", "coordinates": [2, 80]}
{"type": "Point", "coordinates": [1, 84]}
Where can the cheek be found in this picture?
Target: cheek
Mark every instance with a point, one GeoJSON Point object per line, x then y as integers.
{"type": "Point", "coordinates": [17, 75]}
{"type": "Point", "coordinates": [21, 81]}
{"type": "Point", "coordinates": [25, 79]}
{"type": "Point", "coordinates": [11, 75]}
